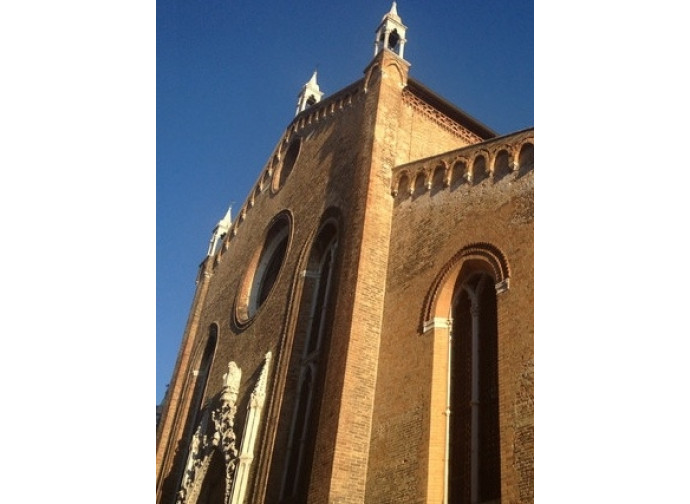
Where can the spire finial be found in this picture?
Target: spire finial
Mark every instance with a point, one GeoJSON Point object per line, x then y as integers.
{"type": "Point", "coordinates": [390, 34]}
{"type": "Point", "coordinates": [220, 231]}
{"type": "Point", "coordinates": [227, 220]}
{"type": "Point", "coordinates": [310, 93]}
{"type": "Point", "coordinates": [393, 13]}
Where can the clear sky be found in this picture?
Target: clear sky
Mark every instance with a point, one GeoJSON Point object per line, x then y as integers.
{"type": "Point", "coordinates": [227, 78]}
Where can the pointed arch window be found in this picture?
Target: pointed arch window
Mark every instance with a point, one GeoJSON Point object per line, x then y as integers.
{"type": "Point", "coordinates": [290, 158]}
{"type": "Point", "coordinates": [200, 376]}
{"type": "Point", "coordinates": [313, 346]}
{"type": "Point", "coordinates": [475, 469]}
{"type": "Point", "coordinates": [203, 371]}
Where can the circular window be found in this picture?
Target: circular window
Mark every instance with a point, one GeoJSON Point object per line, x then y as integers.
{"type": "Point", "coordinates": [263, 270]}
{"type": "Point", "coordinates": [288, 162]}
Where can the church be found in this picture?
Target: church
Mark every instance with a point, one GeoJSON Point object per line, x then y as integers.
{"type": "Point", "coordinates": [363, 330]}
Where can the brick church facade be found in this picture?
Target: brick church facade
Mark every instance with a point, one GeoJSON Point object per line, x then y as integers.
{"type": "Point", "coordinates": [362, 332]}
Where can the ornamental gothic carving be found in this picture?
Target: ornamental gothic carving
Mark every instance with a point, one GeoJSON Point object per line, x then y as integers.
{"type": "Point", "coordinates": [224, 439]}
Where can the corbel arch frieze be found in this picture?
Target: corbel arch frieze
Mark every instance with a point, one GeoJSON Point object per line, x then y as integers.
{"type": "Point", "coordinates": [495, 151]}
{"type": "Point", "coordinates": [238, 222]}
{"type": "Point", "coordinates": [460, 163]}
{"type": "Point", "coordinates": [447, 174]}
{"type": "Point", "coordinates": [440, 165]}
{"type": "Point", "coordinates": [420, 183]}
{"type": "Point", "coordinates": [529, 138]}
{"type": "Point", "coordinates": [486, 157]}
{"type": "Point", "coordinates": [484, 256]}
{"type": "Point", "coordinates": [283, 145]}
{"type": "Point", "coordinates": [399, 178]}
{"type": "Point", "coordinates": [517, 166]}
{"type": "Point", "coordinates": [506, 153]}
{"type": "Point", "coordinates": [426, 172]}
{"type": "Point", "coordinates": [266, 178]}
{"type": "Point", "coordinates": [526, 141]}
{"type": "Point", "coordinates": [481, 153]}
{"type": "Point", "coordinates": [459, 160]}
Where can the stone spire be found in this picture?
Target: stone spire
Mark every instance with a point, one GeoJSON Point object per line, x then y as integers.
{"type": "Point", "coordinates": [394, 12]}
{"type": "Point", "coordinates": [219, 232]}
{"type": "Point", "coordinates": [309, 95]}
{"type": "Point", "coordinates": [390, 34]}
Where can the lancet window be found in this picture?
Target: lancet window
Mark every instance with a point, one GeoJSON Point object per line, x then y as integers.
{"type": "Point", "coordinates": [475, 465]}
{"type": "Point", "coordinates": [312, 338]}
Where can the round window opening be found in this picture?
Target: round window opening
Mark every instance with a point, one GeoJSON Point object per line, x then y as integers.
{"type": "Point", "coordinates": [263, 270]}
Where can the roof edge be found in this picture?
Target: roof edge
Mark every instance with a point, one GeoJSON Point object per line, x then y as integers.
{"type": "Point", "coordinates": [447, 108]}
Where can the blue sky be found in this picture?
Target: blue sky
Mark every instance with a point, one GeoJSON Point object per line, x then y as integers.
{"type": "Point", "coordinates": [227, 78]}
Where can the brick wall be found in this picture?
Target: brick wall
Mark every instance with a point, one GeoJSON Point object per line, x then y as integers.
{"type": "Point", "coordinates": [428, 229]}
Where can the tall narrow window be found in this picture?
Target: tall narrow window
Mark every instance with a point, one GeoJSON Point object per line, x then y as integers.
{"type": "Point", "coordinates": [475, 470]}
{"type": "Point", "coordinates": [313, 347]}
{"type": "Point", "coordinates": [202, 373]}
{"type": "Point", "coordinates": [291, 156]}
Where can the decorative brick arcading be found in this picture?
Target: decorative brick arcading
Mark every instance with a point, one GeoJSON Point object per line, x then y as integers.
{"type": "Point", "coordinates": [465, 157]}
{"type": "Point", "coordinates": [442, 120]}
